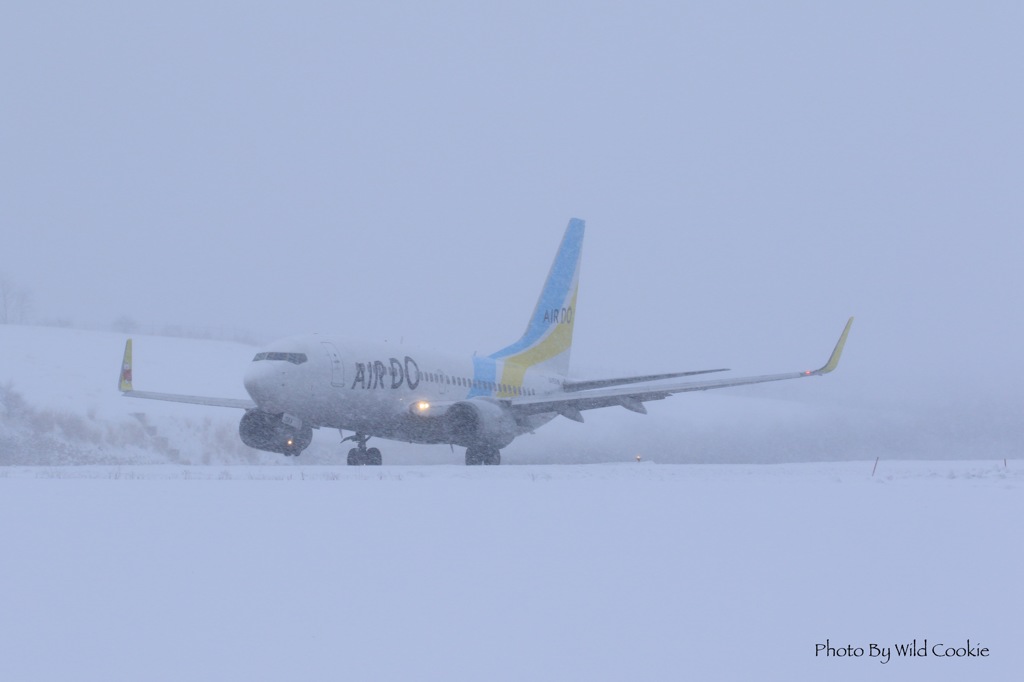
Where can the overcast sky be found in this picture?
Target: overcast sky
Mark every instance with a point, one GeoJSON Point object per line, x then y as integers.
{"type": "Point", "coordinates": [751, 175]}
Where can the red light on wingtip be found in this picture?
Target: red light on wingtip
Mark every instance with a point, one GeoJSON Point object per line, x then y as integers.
{"type": "Point", "coordinates": [808, 373]}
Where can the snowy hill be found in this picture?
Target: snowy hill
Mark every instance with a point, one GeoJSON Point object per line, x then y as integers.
{"type": "Point", "coordinates": [59, 402]}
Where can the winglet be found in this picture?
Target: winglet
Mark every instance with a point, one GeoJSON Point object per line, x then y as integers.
{"type": "Point", "coordinates": [833, 361]}
{"type": "Point", "coordinates": [126, 368]}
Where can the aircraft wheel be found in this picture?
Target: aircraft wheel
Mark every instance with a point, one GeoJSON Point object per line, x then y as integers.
{"type": "Point", "coordinates": [373, 457]}
{"type": "Point", "coordinates": [492, 456]}
{"type": "Point", "coordinates": [474, 457]}
{"type": "Point", "coordinates": [355, 457]}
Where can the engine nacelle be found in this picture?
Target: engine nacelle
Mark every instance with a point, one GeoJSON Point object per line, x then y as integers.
{"type": "Point", "coordinates": [480, 422]}
{"type": "Point", "coordinates": [266, 431]}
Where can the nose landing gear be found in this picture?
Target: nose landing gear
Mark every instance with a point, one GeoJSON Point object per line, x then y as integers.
{"type": "Point", "coordinates": [361, 455]}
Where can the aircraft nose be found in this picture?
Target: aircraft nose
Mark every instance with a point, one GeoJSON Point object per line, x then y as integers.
{"type": "Point", "coordinates": [263, 382]}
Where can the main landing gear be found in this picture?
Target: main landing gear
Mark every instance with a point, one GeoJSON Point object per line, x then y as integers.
{"type": "Point", "coordinates": [361, 455]}
{"type": "Point", "coordinates": [482, 455]}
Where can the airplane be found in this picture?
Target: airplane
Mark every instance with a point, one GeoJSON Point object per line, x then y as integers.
{"type": "Point", "coordinates": [481, 403]}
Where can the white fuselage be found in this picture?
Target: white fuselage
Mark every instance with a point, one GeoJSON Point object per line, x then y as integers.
{"type": "Point", "coordinates": [374, 388]}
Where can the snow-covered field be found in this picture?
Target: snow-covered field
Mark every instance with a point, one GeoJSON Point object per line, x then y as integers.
{"type": "Point", "coordinates": [59, 402]}
{"type": "Point", "coordinates": [594, 572]}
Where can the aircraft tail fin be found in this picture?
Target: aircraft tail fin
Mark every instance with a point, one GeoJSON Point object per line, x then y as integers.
{"type": "Point", "coordinates": [547, 341]}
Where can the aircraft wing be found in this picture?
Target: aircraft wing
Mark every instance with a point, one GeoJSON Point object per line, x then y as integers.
{"type": "Point", "coordinates": [625, 394]}
{"type": "Point", "coordinates": [125, 385]}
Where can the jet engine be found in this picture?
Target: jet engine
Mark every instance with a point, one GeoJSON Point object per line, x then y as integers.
{"type": "Point", "coordinates": [479, 422]}
{"type": "Point", "coordinates": [266, 431]}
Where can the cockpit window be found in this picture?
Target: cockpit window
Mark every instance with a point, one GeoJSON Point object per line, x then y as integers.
{"type": "Point", "coordinates": [294, 358]}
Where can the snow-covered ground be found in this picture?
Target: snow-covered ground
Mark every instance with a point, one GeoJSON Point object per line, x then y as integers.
{"type": "Point", "coordinates": [592, 572]}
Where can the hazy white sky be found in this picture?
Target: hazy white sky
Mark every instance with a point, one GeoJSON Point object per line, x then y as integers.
{"type": "Point", "coordinates": [751, 174]}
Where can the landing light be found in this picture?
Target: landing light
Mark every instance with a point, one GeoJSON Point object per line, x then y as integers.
{"type": "Point", "coordinates": [423, 406]}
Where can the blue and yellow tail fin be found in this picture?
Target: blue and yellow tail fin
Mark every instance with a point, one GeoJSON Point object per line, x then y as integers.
{"type": "Point", "coordinates": [547, 340]}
